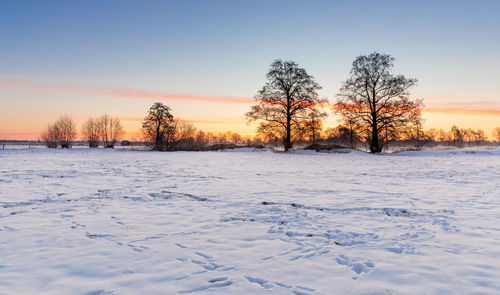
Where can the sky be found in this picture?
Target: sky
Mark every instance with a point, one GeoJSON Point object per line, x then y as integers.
{"type": "Point", "coordinates": [208, 59]}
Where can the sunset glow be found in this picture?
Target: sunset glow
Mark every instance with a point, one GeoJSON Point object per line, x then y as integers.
{"type": "Point", "coordinates": [209, 71]}
{"type": "Point", "coordinates": [223, 116]}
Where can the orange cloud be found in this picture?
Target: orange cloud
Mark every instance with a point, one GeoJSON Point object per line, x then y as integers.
{"type": "Point", "coordinates": [194, 121]}
{"type": "Point", "coordinates": [464, 111]}
{"type": "Point", "coordinates": [16, 83]}
{"type": "Point", "coordinates": [469, 108]}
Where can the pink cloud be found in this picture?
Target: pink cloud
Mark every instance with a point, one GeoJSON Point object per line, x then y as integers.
{"type": "Point", "coordinates": [17, 83]}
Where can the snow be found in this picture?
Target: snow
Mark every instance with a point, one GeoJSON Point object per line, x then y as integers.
{"type": "Point", "coordinates": [86, 221]}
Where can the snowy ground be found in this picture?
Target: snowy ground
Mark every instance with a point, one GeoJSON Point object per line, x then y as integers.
{"type": "Point", "coordinates": [122, 222]}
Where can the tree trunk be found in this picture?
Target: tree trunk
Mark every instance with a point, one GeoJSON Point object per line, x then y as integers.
{"type": "Point", "coordinates": [374, 144]}
{"type": "Point", "coordinates": [351, 139]}
{"type": "Point", "coordinates": [157, 140]}
{"type": "Point", "coordinates": [288, 141]}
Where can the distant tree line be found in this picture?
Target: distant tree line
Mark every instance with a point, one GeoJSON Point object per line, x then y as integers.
{"type": "Point", "coordinates": [160, 130]}
{"type": "Point", "coordinates": [175, 134]}
{"type": "Point", "coordinates": [457, 137]}
{"type": "Point", "coordinates": [103, 130]}
{"type": "Point", "coordinates": [373, 106]}
{"type": "Point", "coordinates": [164, 132]}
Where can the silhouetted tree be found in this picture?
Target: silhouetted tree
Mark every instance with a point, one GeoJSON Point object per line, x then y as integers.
{"type": "Point", "coordinates": [67, 131]}
{"type": "Point", "coordinates": [201, 138]}
{"type": "Point", "coordinates": [457, 136]}
{"type": "Point", "coordinates": [111, 130]}
{"type": "Point", "coordinates": [445, 136]}
{"type": "Point", "coordinates": [61, 133]}
{"type": "Point", "coordinates": [51, 136]}
{"type": "Point", "coordinates": [479, 137]}
{"type": "Point", "coordinates": [467, 134]}
{"type": "Point", "coordinates": [432, 134]}
{"type": "Point", "coordinates": [344, 135]}
{"type": "Point", "coordinates": [496, 134]}
{"type": "Point", "coordinates": [236, 138]}
{"type": "Point", "coordinates": [183, 137]}
{"type": "Point", "coordinates": [159, 126]}
{"type": "Point", "coordinates": [285, 101]}
{"type": "Point", "coordinates": [91, 132]}
{"type": "Point", "coordinates": [313, 125]}
{"type": "Point", "coordinates": [378, 101]}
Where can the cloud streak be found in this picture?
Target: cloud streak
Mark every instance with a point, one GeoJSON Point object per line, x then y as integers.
{"type": "Point", "coordinates": [17, 83]}
{"type": "Point", "coordinates": [464, 111]}
{"type": "Point", "coordinates": [486, 108]}
{"type": "Point", "coordinates": [471, 108]}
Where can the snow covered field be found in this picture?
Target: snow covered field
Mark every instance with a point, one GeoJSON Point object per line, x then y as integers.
{"type": "Point", "coordinates": [122, 222]}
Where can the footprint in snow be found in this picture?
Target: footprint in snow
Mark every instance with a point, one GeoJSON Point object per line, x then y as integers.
{"type": "Point", "coordinates": [208, 257]}
{"type": "Point", "coordinates": [305, 288]}
{"type": "Point", "coordinates": [357, 267]}
{"type": "Point", "coordinates": [138, 248]}
{"type": "Point", "coordinates": [117, 220]}
{"type": "Point", "coordinates": [283, 285]}
{"type": "Point", "coordinates": [224, 283]}
{"type": "Point", "coordinates": [263, 283]}
{"type": "Point", "coordinates": [76, 224]}
{"type": "Point", "coordinates": [217, 280]}
{"type": "Point", "coordinates": [395, 250]}
{"type": "Point", "coordinates": [300, 290]}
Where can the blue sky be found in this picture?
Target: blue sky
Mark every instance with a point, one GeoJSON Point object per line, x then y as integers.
{"type": "Point", "coordinates": [224, 48]}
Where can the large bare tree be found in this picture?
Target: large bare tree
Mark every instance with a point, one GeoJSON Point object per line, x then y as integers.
{"type": "Point", "coordinates": [378, 101]}
{"type": "Point", "coordinates": [285, 101]}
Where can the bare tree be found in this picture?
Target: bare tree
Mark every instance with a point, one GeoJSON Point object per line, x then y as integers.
{"type": "Point", "coordinates": [479, 136]}
{"type": "Point", "coordinates": [159, 126]}
{"type": "Point", "coordinates": [236, 138]}
{"type": "Point", "coordinates": [496, 134]}
{"type": "Point", "coordinates": [183, 137]}
{"type": "Point", "coordinates": [285, 101]}
{"type": "Point", "coordinates": [111, 130]}
{"type": "Point", "coordinates": [467, 134]}
{"type": "Point", "coordinates": [345, 134]}
{"type": "Point", "coordinates": [51, 136]}
{"type": "Point", "coordinates": [378, 101]}
{"type": "Point", "coordinates": [313, 125]}
{"type": "Point", "coordinates": [201, 139]}
{"type": "Point", "coordinates": [432, 134]}
{"type": "Point", "coordinates": [91, 132]}
{"type": "Point", "coordinates": [444, 137]}
{"type": "Point", "coordinates": [61, 133]}
{"type": "Point", "coordinates": [457, 136]}
{"type": "Point", "coordinates": [67, 131]}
